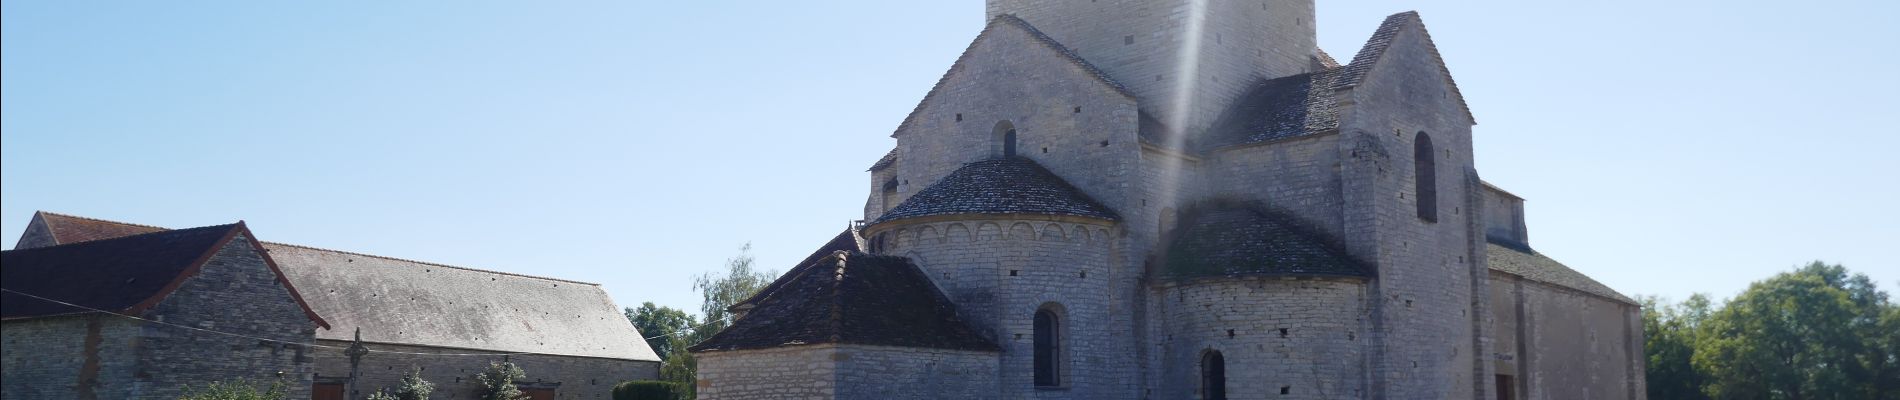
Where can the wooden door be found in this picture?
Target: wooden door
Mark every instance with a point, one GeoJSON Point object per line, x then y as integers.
{"type": "Point", "coordinates": [327, 391]}
{"type": "Point", "coordinates": [539, 393]}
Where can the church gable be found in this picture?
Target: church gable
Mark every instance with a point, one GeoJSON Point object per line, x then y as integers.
{"type": "Point", "coordinates": [1403, 48]}
{"type": "Point", "coordinates": [1010, 25]}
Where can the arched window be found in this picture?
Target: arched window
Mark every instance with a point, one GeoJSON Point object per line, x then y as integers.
{"type": "Point", "coordinates": [1005, 134]}
{"type": "Point", "coordinates": [1213, 376]}
{"type": "Point", "coordinates": [1425, 177]}
{"type": "Point", "coordinates": [1048, 352]}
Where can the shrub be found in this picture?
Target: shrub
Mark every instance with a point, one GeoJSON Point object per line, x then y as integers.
{"type": "Point", "coordinates": [498, 382]}
{"type": "Point", "coordinates": [412, 387]}
{"type": "Point", "coordinates": [647, 390]}
{"type": "Point", "coordinates": [235, 390]}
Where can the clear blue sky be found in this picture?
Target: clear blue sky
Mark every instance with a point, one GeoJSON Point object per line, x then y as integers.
{"type": "Point", "coordinates": [1665, 147]}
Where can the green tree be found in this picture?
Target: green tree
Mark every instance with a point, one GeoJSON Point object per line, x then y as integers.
{"type": "Point", "coordinates": [1797, 335]}
{"type": "Point", "coordinates": [660, 325]}
{"type": "Point", "coordinates": [498, 382]}
{"type": "Point", "coordinates": [719, 290]}
{"type": "Point", "coordinates": [236, 390]}
{"type": "Point", "coordinates": [1670, 333]}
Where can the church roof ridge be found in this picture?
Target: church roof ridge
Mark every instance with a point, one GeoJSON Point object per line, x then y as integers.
{"type": "Point", "coordinates": [1010, 185]}
{"type": "Point", "coordinates": [1040, 37]}
{"type": "Point", "coordinates": [1381, 40]}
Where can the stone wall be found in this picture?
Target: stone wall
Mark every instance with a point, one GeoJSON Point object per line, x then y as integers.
{"type": "Point", "coordinates": [1561, 343]}
{"type": "Point", "coordinates": [1424, 304]}
{"type": "Point", "coordinates": [1000, 271]}
{"type": "Point", "coordinates": [1281, 337]}
{"type": "Point", "coordinates": [1300, 176]}
{"type": "Point", "coordinates": [793, 372]}
{"type": "Point", "coordinates": [1079, 127]}
{"type": "Point", "coordinates": [71, 357]}
{"type": "Point", "coordinates": [1504, 216]}
{"type": "Point", "coordinates": [453, 375]}
{"type": "Point", "coordinates": [1140, 43]}
{"type": "Point", "coordinates": [235, 292]}
{"type": "Point", "coordinates": [883, 372]}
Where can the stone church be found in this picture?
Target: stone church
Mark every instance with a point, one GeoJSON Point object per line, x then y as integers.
{"type": "Point", "coordinates": [217, 304]}
{"type": "Point", "coordinates": [1177, 199]}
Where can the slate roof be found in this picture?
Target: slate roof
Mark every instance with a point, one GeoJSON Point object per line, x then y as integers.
{"type": "Point", "coordinates": [885, 161]}
{"type": "Point", "coordinates": [124, 275]}
{"type": "Point", "coordinates": [1229, 238]}
{"type": "Point", "coordinates": [1276, 109]}
{"type": "Point", "coordinates": [1012, 185]}
{"type": "Point", "coordinates": [1515, 259]}
{"type": "Point", "coordinates": [1326, 60]}
{"type": "Point", "coordinates": [399, 301]}
{"type": "Point", "coordinates": [852, 298]}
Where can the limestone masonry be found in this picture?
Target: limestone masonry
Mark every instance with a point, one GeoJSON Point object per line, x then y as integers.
{"type": "Point", "coordinates": [1122, 199]}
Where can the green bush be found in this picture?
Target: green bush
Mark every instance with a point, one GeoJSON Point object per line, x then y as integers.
{"type": "Point", "coordinates": [498, 382]}
{"type": "Point", "coordinates": [235, 390]}
{"type": "Point", "coordinates": [646, 390]}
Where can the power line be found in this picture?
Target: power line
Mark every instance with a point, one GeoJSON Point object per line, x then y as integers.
{"type": "Point", "coordinates": [248, 336]}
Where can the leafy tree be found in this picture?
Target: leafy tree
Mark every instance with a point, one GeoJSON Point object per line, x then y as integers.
{"type": "Point", "coordinates": [1798, 335]}
{"type": "Point", "coordinates": [719, 291]}
{"type": "Point", "coordinates": [1670, 344]}
{"type": "Point", "coordinates": [498, 382]}
{"type": "Point", "coordinates": [236, 390]}
{"type": "Point", "coordinates": [660, 325]}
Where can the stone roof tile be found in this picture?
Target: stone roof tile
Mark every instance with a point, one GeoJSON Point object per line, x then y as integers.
{"type": "Point", "coordinates": [1013, 185]}
{"type": "Point", "coordinates": [1516, 259]}
{"type": "Point", "coordinates": [1225, 238]}
{"type": "Point", "coordinates": [851, 298]}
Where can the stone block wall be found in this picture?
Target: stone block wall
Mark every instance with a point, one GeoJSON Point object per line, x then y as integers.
{"type": "Point", "coordinates": [1000, 271]}
{"type": "Point", "coordinates": [1504, 216]}
{"type": "Point", "coordinates": [1560, 343]}
{"type": "Point", "coordinates": [453, 371]}
{"type": "Point", "coordinates": [883, 372]}
{"type": "Point", "coordinates": [1140, 43]}
{"type": "Point", "coordinates": [1079, 127]}
{"type": "Point", "coordinates": [1300, 176]}
{"type": "Point", "coordinates": [1280, 337]}
{"type": "Point", "coordinates": [71, 357]}
{"type": "Point", "coordinates": [235, 292]}
{"type": "Point", "coordinates": [1425, 306]}
{"type": "Point", "coordinates": [794, 372]}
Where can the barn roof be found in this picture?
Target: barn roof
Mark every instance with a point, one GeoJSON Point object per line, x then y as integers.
{"type": "Point", "coordinates": [1229, 238]}
{"type": "Point", "coordinates": [851, 298]}
{"type": "Point", "coordinates": [124, 275]}
{"type": "Point", "coordinates": [1012, 185]}
{"type": "Point", "coordinates": [399, 301]}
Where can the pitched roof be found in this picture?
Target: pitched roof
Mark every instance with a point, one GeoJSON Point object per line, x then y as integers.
{"type": "Point", "coordinates": [852, 298]}
{"type": "Point", "coordinates": [1044, 39]}
{"type": "Point", "coordinates": [1381, 40]}
{"type": "Point", "coordinates": [1326, 60]}
{"type": "Point", "coordinates": [844, 241]}
{"type": "Point", "coordinates": [885, 161]}
{"type": "Point", "coordinates": [426, 304]}
{"type": "Point", "coordinates": [411, 302]}
{"type": "Point", "coordinates": [75, 229]}
{"type": "Point", "coordinates": [1534, 266]}
{"type": "Point", "coordinates": [1231, 238]}
{"type": "Point", "coordinates": [1012, 185]}
{"type": "Point", "coordinates": [1278, 108]}
{"type": "Point", "coordinates": [124, 275]}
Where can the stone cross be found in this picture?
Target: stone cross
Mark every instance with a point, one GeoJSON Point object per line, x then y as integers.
{"type": "Point", "coordinates": [356, 352]}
